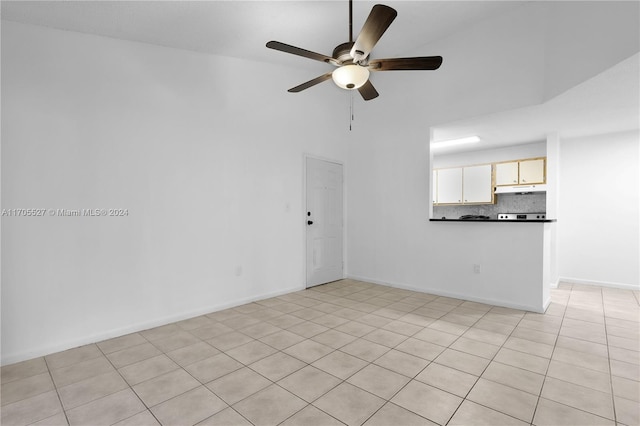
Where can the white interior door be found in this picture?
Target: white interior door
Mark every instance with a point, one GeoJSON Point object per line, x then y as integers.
{"type": "Point", "coordinates": [324, 222]}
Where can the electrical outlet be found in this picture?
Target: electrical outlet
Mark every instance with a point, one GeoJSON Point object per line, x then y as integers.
{"type": "Point", "coordinates": [476, 268]}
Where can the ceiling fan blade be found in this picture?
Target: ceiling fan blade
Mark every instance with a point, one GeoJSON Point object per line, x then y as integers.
{"type": "Point", "coordinates": [379, 19]}
{"type": "Point", "coordinates": [367, 91]}
{"type": "Point", "coordinates": [406, 64]}
{"type": "Point", "coordinates": [310, 83]}
{"type": "Point", "coordinates": [287, 48]}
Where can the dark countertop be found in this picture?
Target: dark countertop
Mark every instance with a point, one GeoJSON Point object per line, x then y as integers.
{"type": "Point", "coordinates": [494, 220]}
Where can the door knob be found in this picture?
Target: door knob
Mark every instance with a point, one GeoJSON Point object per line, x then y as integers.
{"type": "Point", "coordinates": [309, 222]}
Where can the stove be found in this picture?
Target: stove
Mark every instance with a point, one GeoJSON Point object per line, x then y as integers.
{"type": "Point", "coordinates": [522, 216]}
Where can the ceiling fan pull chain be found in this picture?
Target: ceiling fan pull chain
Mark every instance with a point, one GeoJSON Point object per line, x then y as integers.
{"type": "Point", "coordinates": [350, 109]}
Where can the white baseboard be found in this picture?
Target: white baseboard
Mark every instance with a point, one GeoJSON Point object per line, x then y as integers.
{"type": "Point", "coordinates": [109, 334]}
{"type": "Point", "coordinates": [439, 292]}
{"type": "Point", "coordinates": [623, 286]}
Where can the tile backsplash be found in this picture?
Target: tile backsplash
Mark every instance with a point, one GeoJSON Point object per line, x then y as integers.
{"type": "Point", "coordinates": [505, 203]}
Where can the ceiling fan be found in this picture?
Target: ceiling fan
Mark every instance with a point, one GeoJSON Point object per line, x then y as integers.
{"type": "Point", "coordinates": [352, 58]}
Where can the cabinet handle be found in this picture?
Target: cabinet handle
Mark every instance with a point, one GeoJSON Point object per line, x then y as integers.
{"type": "Point", "coordinates": [524, 180]}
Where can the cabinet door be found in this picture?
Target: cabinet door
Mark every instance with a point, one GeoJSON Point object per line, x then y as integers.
{"type": "Point", "coordinates": [532, 171]}
{"type": "Point", "coordinates": [434, 186]}
{"type": "Point", "coordinates": [476, 184]}
{"type": "Point", "coordinates": [507, 173]}
{"type": "Point", "coordinates": [450, 186]}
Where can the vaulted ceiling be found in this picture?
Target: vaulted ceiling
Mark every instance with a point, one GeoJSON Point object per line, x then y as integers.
{"type": "Point", "coordinates": [513, 70]}
{"type": "Point", "coordinates": [241, 28]}
{"type": "Point", "coordinates": [606, 103]}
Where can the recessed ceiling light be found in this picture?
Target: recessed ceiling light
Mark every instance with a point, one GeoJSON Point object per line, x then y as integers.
{"type": "Point", "coordinates": [452, 142]}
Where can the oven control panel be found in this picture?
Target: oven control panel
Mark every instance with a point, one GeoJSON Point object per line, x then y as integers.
{"type": "Point", "coordinates": [522, 216]}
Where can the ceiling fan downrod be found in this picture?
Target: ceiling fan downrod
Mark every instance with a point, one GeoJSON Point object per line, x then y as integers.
{"type": "Point", "coordinates": [350, 21]}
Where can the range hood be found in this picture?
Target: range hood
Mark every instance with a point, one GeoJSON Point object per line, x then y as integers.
{"type": "Point", "coordinates": [520, 189]}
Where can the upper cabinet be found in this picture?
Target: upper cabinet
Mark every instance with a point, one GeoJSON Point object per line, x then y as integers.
{"type": "Point", "coordinates": [522, 172]}
{"type": "Point", "coordinates": [476, 184]}
{"type": "Point", "coordinates": [434, 186]}
{"type": "Point", "coordinates": [463, 185]}
{"type": "Point", "coordinates": [532, 171]}
{"type": "Point", "coordinates": [507, 173]}
{"type": "Point", "coordinates": [449, 186]}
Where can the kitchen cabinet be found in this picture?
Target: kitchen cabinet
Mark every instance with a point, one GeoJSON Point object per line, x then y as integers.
{"type": "Point", "coordinates": [434, 186]}
{"type": "Point", "coordinates": [476, 184]}
{"type": "Point", "coordinates": [507, 173]}
{"type": "Point", "coordinates": [521, 172]}
{"type": "Point", "coordinates": [449, 186]}
{"type": "Point", "coordinates": [463, 185]}
{"type": "Point", "coordinates": [532, 171]}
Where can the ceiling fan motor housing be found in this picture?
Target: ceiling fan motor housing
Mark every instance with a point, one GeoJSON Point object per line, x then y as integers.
{"type": "Point", "coordinates": [342, 53]}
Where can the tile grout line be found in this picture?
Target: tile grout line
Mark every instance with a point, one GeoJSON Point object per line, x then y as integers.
{"type": "Point", "coordinates": [309, 365]}
{"type": "Point", "coordinates": [433, 361]}
{"type": "Point", "coordinates": [579, 385]}
{"type": "Point", "coordinates": [57, 393]}
{"type": "Point", "coordinates": [180, 367]}
{"type": "Point", "coordinates": [480, 376]}
{"type": "Point", "coordinates": [293, 372]}
{"type": "Point", "coordinates": [127, 383]}
{"type": "Point", "coordinates": [386, 401]}
{"type": "Point", "coordinates": [244, 366]}
{"type": "Point", "coordinates": [342, 381]}
{"type": "Point", "coordinates": [555, 343]}
{"type": "Point", "coordinates": [606, 337]}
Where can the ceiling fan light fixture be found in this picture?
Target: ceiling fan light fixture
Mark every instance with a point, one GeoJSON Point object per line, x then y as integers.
{"type": "Point", "coordinates": [350, 77]}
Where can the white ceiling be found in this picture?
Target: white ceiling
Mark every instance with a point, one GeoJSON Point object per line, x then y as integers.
{"type": "Point", "coordinates": [242, 28]}
{"type": "Point", "coordinates": [608, 102]}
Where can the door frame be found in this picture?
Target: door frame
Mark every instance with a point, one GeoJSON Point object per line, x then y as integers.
{"type": "Point", "coordinates": [303, 222]}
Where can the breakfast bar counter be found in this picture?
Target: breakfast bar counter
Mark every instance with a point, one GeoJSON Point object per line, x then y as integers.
{"type": "Point", "coordinates": [494, 220]}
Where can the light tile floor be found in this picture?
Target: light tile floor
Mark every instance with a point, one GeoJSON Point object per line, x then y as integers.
{"type": "Point", "coordinates": [351, 353]}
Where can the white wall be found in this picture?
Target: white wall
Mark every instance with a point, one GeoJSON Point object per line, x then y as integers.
{"type": "Point", "coordinates": [391, 240]}
{"type": "Point", "coordinates": [206, 153]}
{"type": "Point", "coordinates": [598, 211]}
{"type": "Point", "coordinates": [552, 200]}
{"type": "Point", "coordinates": [513, 259]}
